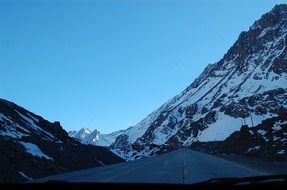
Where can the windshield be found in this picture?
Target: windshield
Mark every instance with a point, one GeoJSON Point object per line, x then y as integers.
{"type": "Point", "coordinates": [142, 91]}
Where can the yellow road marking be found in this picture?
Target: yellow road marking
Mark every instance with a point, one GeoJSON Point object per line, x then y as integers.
{"type": "Point", "coordinates": [121, 174]}
{"type": "Point", "coordinates": [125, 172]}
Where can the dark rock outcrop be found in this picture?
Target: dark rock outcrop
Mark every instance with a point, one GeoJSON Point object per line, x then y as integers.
{"type": "Point", "coordinates": [32, 147]}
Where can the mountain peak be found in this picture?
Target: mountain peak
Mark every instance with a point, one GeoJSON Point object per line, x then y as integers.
{"type": "Point", "coordinates": [250, 80]}
{"type": "Point", "coordinates": [271, 18]}
{"type": "Point", "coordinates": [95, 137]}
{"type": "Point", "coordinates": [85, 130]}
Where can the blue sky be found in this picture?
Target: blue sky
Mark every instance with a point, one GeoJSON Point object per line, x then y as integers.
{"type": "Point", "coordinates": [106, 64]}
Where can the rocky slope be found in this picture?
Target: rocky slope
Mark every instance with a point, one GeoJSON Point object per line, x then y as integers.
{"type": "Point", "coordinates": [267, 140]}
{"type": "Point", "coordinates": [32, 147]}
{"type": "Point", "coordinates": [249, 83]}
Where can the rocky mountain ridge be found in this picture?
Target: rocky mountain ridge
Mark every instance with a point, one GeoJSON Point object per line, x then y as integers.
{"type": "Point", "coordinates": [32, 147]}
{"type": "Point", "coordinates": [248, 84]}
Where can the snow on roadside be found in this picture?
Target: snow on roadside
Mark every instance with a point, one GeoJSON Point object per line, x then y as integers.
{"type": "Point", "coordinates": [221, 129]}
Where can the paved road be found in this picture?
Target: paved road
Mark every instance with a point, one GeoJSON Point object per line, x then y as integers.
{"type": "Point", "coordinates": [182, 166]}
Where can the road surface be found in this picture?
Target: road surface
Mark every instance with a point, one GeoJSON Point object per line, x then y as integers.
{"type": "Point", "coordinates": [182, 166]}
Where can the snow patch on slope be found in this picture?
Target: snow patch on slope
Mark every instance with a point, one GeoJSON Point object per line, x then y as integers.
{"type": "Point", "coordinates": [35, 150]}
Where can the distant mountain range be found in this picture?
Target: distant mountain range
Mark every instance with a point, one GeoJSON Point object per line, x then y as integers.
{"type": "Point", "coordinates": [87, 136]}
{"type": "Point", "coordinates": [247, 86]}
{"type": "Point", "coordinates": [32, 147]}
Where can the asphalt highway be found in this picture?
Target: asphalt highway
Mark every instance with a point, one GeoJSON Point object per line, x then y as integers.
{"type": "Point", "coordinates": [182, 166]}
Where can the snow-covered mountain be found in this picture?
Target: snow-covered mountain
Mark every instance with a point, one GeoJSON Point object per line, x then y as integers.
{"type": "Point", "coordinates": [267, 141]}
{"type": "Point", "coordinates": [95, 137]}
{"type": "Point", "coordinates": [81, 134]}
{"type": "Point", "coordinates": [123, 138]}
{"type": "Point", "coordinates": [249, 84]}
{"type": "Point", "coordinates": [32, 147]}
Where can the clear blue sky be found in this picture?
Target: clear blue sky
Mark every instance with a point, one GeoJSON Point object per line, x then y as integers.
{"type": "Point", "coordinates": [106, 64]}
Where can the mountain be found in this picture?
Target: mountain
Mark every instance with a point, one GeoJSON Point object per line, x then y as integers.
{"type": "Point", "coordinates": [81, 134]}
{"type": "Point", "coordinates": [248, 85]}
{"type": "Point", "coordinates": [32, 147]}
{"type": "Point", "coordinates": [267, 140]}
{"type": "Point", "coordinates": [126, 137]}
{"type": "Point", "coordinates": [95, 137]}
